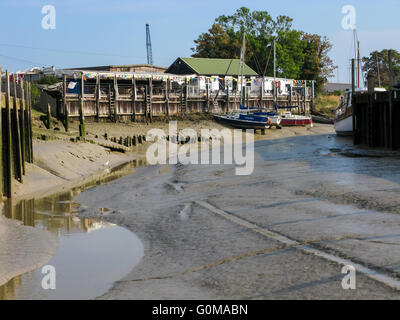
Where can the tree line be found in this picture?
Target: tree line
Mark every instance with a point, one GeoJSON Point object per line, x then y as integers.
{"type": "Point", "coordinates": [299, 55]}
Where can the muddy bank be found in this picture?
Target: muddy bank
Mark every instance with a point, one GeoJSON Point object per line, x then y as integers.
{"type": "Point", "coordinates": [210, 234]}
{"type": "Point", "coordinates": [60, 165]}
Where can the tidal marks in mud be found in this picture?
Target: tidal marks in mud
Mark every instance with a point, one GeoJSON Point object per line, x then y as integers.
{"type": "Point", "coordinates": [364, 202]}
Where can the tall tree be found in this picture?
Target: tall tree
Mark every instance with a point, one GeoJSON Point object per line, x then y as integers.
{"type": "Point", "coordinates": [381, 59]}
{"type": "Point", "coordinates": [317, 64]}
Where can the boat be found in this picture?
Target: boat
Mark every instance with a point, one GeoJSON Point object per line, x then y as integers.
{"type": "Point", "coordinates": [246, 117]}
{"type": "Point", "coordinates": [244, 121]}
{"type": "Point", "coordinates": [290, 120]}
{"type": "Point", "coordinates": [343, 122]}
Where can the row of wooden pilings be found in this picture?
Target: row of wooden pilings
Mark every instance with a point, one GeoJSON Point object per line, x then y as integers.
{"type": "Point", "coordinates": [16, 131]}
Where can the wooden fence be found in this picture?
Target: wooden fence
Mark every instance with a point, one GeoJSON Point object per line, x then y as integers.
{"type": "Point", "coordinates": [16, 131]}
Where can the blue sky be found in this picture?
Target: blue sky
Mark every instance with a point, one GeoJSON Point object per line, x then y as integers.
{"type": "Point", "coordinates": [100, 32]}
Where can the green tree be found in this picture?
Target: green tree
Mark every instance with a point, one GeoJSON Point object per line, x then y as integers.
{"type": "Point", "coordinates": [381, 58]}
{"type": "Point", "coordinates": [317, 64]}
{"type": "Point", "coordinates": [299, 55]}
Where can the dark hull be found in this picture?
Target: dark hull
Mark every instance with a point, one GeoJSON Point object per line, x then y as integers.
{"type": "Point", "coordinates": [242, 124]}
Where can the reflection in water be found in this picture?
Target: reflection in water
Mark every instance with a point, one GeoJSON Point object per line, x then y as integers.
{"type": "Point", "coordinates": [88, 249]}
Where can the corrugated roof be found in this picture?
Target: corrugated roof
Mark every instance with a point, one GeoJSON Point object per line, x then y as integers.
{"type": "Point", "coordinates": [208, 66]}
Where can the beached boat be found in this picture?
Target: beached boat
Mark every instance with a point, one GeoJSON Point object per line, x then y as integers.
{"type": "Point", "coordinates": [343, 122]}
{"type": "Point", "coordinates": [248, 118]}
{"type": "Point", "coordinates": [244, 121]}
{"type": "Point", "coordinates": [288, 119]}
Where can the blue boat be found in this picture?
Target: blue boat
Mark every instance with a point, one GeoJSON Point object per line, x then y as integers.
{"type": "Point", "coordinates": [249, 118]}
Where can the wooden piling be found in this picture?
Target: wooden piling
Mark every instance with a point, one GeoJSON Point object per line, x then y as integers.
{"type": "Point", "coordinates": [23, 129]}
{"type": "Point", "coordinates": [48, 116]}
{"type": "Point", "coordinates": [133, 99]}
{"type": "Point", "coordinates": [82, 109]}
{"type": "Point", "coordinates": [66, 113]}
{"type": "Point", "coordinates": [17, 133]}
{"type": "Point", "coordinates": [167, 88]}
{"type": "Point", "coordinates": [1, 140]}
{"type": "Point", "coordinates": [98, 93]}
{"type": "Point", "coordinates": [8, 147]}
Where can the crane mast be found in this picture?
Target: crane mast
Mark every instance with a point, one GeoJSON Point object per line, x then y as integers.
{"type": "Point", "coordinates": [148, 46]}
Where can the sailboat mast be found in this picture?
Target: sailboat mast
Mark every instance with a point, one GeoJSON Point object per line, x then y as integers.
{"type": "Point", "coordinates": [274, 73]}
{"type": "Point", "coordinates": [377, 65]}
{"type": "Point", "coordinates": [358, 64]}
{"type": "Point", "coordinates": [242, 66]}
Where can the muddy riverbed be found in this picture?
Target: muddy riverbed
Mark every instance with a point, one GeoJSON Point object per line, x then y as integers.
{"type": "Point", "coordinates": [313, 204]}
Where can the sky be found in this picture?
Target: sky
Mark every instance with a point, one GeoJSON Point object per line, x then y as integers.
{"type": "Point", "coordinates": [104, 32]}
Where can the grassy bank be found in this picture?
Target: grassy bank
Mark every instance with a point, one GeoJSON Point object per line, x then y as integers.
{"type": "Point", "coordinates": [326, 105]}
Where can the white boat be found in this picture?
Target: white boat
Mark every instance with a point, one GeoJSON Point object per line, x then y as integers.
{"type": "Point", "coordinates": [343, 122]}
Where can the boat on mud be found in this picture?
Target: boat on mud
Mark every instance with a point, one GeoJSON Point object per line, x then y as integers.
{"type": "Point", "coordinates": [289, 120]}
{"type": "Point", "coordinates": [249, 119]}
{"type": "Point", "coordinates": [343, 122]}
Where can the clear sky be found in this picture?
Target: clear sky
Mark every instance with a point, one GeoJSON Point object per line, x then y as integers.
{"type": "Point", "coordinates": [105, 32]}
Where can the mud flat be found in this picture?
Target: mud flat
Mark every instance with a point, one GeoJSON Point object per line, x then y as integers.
{"type": "Point", "coordinates": [284, 232]}
{"type": "Point", "coordinates": [59, 166]}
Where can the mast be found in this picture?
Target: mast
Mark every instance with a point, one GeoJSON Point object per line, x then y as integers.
{"type": "Point", "coordinates": [377, 65]}
{"type": "Point", "coordinates": [274, 73]}
{"type": "Point", "coordinates": [242, 66]}
{"type": "Point", "coordinates": [358, 64]}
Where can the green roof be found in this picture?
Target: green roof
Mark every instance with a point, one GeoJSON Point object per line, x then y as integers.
{"type": "Point", "coordinates": [208, 66]}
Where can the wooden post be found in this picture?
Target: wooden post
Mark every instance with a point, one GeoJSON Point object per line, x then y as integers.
{"type": "Point", "coordinates": [208, 93]}
{"type": "Point", "coordinates": [66, 114]}
{"type": "Point", "coordinates": [29, 121]}
{"type": "Point", "coordinates": [98, 92]}
{"type": "Point", "coordinates": [8, 148]}
{"type": "Point", "coordinates": [82, 108]}
{"type": "Point", "coordinates": [1, 141]}
{"type": "Point", "coordinates": [305, 96]}
{"type": "Point", "coordinates": [17, 134]}
{"type": "Point", "coordinates": [167, 85]}
{"type": "Point", "coordinates": [116, 96]}
{"type": "Point", "coordinates": [151, 99]}
{"type": "Point", "coordinates": [23, 130]}
{"type": "Point", "coordinates": [354, 111]}
{"type": "Point", "coordinates": [312, 95]}
{"type": "Point", "coordinates": [390, 118]}
{"type": "Point", "coordinates": [109, 101]}
{"type": "Point", "coordinates": [48, 116]}
{"type": "Point", "coordinates": [228, 98]}
{"type": "Point", "coordinates": [134, 98]}
{"type": "Point", "coordinates": [186, 94]}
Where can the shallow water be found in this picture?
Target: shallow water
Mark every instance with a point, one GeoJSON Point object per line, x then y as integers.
{"type": "Point", "coordinates": [91, 256]}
